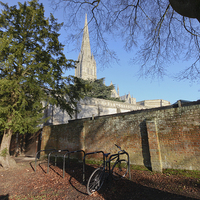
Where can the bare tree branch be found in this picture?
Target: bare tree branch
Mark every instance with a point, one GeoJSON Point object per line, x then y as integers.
{"type": "Point", "coordinates": [163, 30]}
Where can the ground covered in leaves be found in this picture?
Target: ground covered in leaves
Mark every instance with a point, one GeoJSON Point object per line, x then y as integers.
{"type": "Point", "coordinates": [23, 183]}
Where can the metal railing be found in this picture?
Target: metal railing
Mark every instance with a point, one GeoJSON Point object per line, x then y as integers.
{"type": "Point", "coordinates": [64, 157]}
{"type": "Point", "coordinates": [55, 151]}
{"type": "Point", "coordinates": [36, 156]}
{"type": "Point", "coordinates": [68, 153]}
{"type": "Point", "coordinates": [84, 157]}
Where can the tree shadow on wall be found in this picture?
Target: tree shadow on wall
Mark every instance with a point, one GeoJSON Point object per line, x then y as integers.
{"type": "Point", "coordinates": [145, 145]}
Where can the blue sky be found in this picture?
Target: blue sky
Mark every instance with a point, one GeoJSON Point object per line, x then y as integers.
{"type": "Point", "coordinates": [124, 74]}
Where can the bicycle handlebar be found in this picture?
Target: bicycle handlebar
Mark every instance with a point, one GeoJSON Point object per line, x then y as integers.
{"type": "Point", "coordinates": [118, 146]}
{"type": "Point", "coordinates": [121, 150]}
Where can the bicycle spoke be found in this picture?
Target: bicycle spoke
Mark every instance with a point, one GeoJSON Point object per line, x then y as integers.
{"type": "Point", "coordinates": [95, 181]}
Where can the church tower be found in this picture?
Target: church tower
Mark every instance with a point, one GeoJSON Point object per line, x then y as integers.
{"type": "Point", "coordinates": [86, 66]}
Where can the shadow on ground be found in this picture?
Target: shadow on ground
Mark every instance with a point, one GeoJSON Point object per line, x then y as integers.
{"type": "Point", "coordinates": [121, 189]}
{"type": "Point", "coordinates": [4, 197]}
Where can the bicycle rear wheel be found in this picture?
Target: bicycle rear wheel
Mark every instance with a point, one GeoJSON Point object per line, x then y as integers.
{"type": "Point", "coordinates": [120, 169]}
{"type": "Point", "coordinates": [96, 180]}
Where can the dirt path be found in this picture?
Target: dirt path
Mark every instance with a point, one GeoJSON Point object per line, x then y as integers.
{"type": "Point", "coordinates": [23, 183]}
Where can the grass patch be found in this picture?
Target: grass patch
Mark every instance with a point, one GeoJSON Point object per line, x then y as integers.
{"type": "Point", "coordinates": [169, 172]}
{"type": "Point", "coordinates": [94, 162]}
{"type": "Point", "coordinates": [180, 172]}
{"type": "Point", "coordinates": [139, 167]}
{"type": "Point", "coordinates": [30, 196]}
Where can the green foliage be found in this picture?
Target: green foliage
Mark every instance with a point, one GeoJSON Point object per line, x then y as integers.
{"type": "Point", "coordinates": [139, 167]}
{"type": "Point", "coordinates": [4, 152]}
{"type": "Point", "coordinates": [181, 172]}
{"type": "Point", "coordinates": [97, 89]}
{"type": "Point", "coordinates": [93, 162]}
{"type": "Point", "coordinates": [32, 67]}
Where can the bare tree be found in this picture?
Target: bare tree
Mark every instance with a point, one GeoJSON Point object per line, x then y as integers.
{"type": "Point", "coordinates": [163, 30]}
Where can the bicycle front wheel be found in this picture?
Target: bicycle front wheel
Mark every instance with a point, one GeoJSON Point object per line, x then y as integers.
{"type": "Point", "coordinates": [96, 180]}
{"type": "Point", "coordinates": [120, 169]}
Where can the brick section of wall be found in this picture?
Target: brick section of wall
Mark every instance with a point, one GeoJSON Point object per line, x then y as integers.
{"type": "Point", "coordinates": [177, 134]}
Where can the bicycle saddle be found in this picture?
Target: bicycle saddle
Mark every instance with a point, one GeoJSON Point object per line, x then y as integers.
{"type": "Point", "coordinates": [106, 154]}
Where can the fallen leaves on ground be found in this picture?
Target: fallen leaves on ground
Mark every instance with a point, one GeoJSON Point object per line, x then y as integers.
{"type": "Point", "coordinates": [23, 183]}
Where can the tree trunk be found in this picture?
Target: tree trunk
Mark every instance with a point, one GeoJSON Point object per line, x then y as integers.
{"type": "Point", "coordinates": [187, 8]}
{"type": "Point", "coordinates": [5, 160]}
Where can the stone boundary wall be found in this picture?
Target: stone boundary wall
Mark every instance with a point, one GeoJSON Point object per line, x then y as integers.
{"type": "Point", "coordinates": [158, 138]}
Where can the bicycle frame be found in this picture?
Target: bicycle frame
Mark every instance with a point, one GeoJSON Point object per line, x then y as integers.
{"type": "Point", "coordinates": [96, 179]}
{"type": "Point", "coordinates": [115, 157]}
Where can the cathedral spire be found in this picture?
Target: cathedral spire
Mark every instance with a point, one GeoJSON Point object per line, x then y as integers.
{"type": "Point", "coordinates": [86, 66]}
{"type": "Point", "coordinates": [85, 47]}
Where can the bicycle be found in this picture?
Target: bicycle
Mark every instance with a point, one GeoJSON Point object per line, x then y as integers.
{"type": "Point", "coordinates": [119, 170]}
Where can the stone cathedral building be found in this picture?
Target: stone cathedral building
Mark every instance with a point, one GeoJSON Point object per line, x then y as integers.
{"type": "Point", "coordinates": [86, 67]}
{"type": "Point", "coordinates": [91, 107]}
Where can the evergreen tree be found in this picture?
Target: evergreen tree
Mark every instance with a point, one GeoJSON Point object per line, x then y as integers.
{"type": "Point", "coordinates": [97, 89]}
{"type": "Point", "coordinates": [32, 65]}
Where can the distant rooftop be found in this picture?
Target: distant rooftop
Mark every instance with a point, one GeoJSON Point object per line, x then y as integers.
{"type": "Point", "coordinates": [181, 101]}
